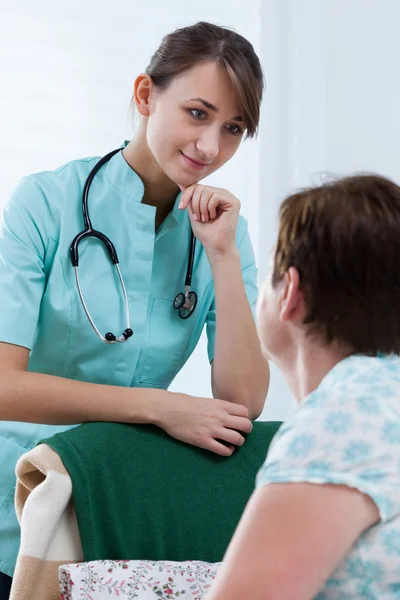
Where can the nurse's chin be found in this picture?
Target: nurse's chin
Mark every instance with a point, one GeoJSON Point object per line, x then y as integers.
{"type": "Point", "coordinates": [181, 178]}
{"type": "Point", "coordinates": [185, 182]}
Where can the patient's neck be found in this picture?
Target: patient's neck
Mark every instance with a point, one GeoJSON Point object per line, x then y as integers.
{"type": "Point", "coordinates": [309, 362]}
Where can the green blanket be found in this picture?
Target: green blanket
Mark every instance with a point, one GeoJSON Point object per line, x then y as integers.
{"type": "Point", "coordinates": [140, 494]}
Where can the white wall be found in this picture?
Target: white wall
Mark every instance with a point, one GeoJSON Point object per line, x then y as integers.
{"type": "Point", "coordinates": [332, 106]}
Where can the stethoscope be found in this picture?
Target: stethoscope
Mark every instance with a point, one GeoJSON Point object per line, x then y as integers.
{"type": "Point", "coordinates": [185, 302]}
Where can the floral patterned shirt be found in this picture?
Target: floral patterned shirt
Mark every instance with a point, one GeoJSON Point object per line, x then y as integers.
{"type": "Point", "coordinates": [348, 432]}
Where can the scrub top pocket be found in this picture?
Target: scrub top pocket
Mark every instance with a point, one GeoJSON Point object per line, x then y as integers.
{"type": "Point", "coordinates": [167, 338]}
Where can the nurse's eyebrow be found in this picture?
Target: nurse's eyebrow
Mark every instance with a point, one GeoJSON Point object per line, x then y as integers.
{"type": "Point", "coordinates": [213, 108]}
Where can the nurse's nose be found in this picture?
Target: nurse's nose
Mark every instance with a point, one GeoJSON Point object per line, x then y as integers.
{"type": "Point", "coordinates": [208, 143]}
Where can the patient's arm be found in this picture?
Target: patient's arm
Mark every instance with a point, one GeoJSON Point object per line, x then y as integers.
{"type": "Point", "coordinates": [290, 539]}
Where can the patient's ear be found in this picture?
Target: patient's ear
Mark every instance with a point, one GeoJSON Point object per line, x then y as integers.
{"type": "Point", "coordinates": [292, 300]}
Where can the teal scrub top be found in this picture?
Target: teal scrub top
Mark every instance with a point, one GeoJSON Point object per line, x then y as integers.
{"type": "Point", "coordinates": [41, 309]}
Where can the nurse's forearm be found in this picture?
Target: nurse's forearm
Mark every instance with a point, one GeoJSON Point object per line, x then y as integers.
{"type": "Point", "coordinates": [240, 372]}
{"type": "Point", "coordinates": [47, 399]}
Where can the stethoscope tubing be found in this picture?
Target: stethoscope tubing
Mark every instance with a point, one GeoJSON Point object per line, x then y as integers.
{"type": "Point", "coordinates": [185, 302]}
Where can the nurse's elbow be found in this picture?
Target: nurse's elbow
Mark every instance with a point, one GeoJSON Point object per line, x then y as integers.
{"type": "Point", "coordinates": [255, 410]}
{"type": "Point", "coordinates": [253, 400]}
{"type": "Point", "coordinates": [250, 393]}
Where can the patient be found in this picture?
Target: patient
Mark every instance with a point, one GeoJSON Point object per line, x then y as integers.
{"type": "Point", "coordinates": [324, 521]}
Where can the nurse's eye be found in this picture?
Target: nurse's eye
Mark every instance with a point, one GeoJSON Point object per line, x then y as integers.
{"type": "Point", "coordinates": [234, 129]}
{"type": "Point", "coordinates": [198, 114]}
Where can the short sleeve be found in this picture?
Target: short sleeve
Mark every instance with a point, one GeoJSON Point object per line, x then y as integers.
{"type": "Point", "coordinates": [22, 253]}
{"type": "Point", "coordinates": [249, 274]}
{"type": "Point", "coordinates": [342, 442]}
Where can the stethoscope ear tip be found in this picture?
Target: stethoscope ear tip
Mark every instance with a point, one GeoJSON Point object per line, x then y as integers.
{"type": "Point", "coordinates": [110, 337]}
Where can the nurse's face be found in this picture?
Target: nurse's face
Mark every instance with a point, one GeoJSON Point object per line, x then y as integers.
{"type": "Point", "coordinates": [195, 125]}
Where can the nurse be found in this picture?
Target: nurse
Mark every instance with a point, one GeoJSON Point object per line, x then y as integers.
{"type": "Point", "coordinates": [197, 99]}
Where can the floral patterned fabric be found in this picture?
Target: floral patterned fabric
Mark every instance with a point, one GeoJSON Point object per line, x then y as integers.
{"type": "Point", "coordinates": [142, 579]}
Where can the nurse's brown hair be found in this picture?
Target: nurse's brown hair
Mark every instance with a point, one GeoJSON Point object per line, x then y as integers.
{"type": "Point", "coordinates": [205, 42]}
{"type": "Point", "coordinates": [344, 239]}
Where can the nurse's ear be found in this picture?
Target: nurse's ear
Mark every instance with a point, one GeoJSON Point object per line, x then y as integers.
{"type": "Point", "coordinates": [142, 90]}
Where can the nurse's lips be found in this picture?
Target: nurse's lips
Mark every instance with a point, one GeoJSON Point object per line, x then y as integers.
{"type": "Point", "coordinates": [194, 163]}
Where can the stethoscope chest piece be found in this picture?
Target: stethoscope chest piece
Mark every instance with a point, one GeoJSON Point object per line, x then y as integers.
{"type": "Point", "coordinates": [185, 303]}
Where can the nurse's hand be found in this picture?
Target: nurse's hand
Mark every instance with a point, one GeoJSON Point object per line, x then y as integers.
{"type": "Point", "coordinates": [214, 214]}
{"type": "Point", "coordinates": [203, 422]}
